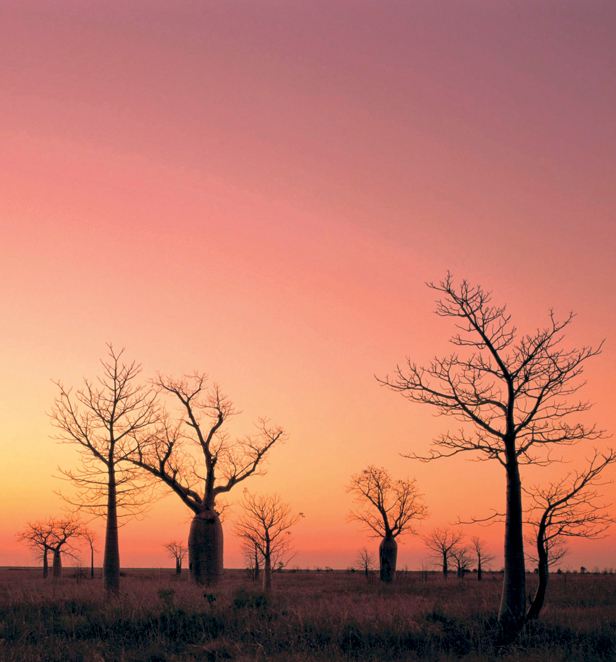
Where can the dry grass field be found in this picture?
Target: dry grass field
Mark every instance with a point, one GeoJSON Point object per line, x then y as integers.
{"type": "Point", "coordinates": [320, 616]}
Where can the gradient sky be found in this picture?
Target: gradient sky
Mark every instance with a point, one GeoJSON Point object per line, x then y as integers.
{"type": "Point", "coordinates": [259, 189]}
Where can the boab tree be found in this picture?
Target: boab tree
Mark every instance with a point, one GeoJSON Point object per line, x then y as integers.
{"type": "Point", "coordinates": [512, 392]}
{"type": "Point", "coordinates": [53, 535]}
{"type": "Point", "coordinates": [104, 420]}
{"type": "Point", "coordinates": [178, 551]}
{"type": "Point", "coordinates": [443, 542]}
{"type": "Point", "coordinates": [479, 548]}
{"type": "Point", "coordinates": [569, 508]}
{"type": "Point", "coordinates": [196, 458]}
{"type": "Point", "coordinates": [265, 523]}
{"type": "Point", "coordinates": [388, 509]}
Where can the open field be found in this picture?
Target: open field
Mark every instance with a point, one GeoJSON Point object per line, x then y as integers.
{"type": "Point", "coordinates": [320, 616]}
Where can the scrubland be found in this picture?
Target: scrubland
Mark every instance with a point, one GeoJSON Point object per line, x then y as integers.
{"type": "Point", "coordinates": [320, 616]}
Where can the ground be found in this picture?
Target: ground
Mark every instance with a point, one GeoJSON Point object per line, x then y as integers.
{"type": "Point", "coordinates": [310, 616]}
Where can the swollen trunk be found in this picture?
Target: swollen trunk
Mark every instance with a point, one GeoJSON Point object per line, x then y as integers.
{"type": "Point", "coordinates": [111, 559]}
{"type": "Point", "coordinates": [267, 574]}
{"type": "Point", "coordinates": [205, 548]}
{"type": "Point", "coordinates": [388, 555]}
{"type": "Point", "coordinates": [513, 599]}
{"type": "Point", "coordinates": [56, 567]}
{"type": "Point", "coordinates": [45, 565]}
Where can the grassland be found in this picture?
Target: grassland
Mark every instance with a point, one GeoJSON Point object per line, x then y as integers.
{"type": "Point", "coordinates": [323, 616]}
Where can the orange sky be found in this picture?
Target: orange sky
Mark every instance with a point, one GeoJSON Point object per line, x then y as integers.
{"type": "Point", "coordinates": [259, 190]}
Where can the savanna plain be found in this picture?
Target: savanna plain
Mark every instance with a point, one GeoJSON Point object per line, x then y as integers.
{"type": "Point", "coordinates": [310, 615]}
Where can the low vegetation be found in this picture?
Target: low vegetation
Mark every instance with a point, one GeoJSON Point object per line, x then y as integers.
{"type": "Point", "coordinates": [161, 617]}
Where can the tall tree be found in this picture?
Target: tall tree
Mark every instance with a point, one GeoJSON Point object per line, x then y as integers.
{"type": "Point", "coordinates": [568, 508]}
{"type": "Point", "coordinates": [266, 522]}
{"type": "Point", "coordinates": [512, 392]}
{"type": "Point", "coordinates": [388, 508]}
{"type": "Point", "coordinates": [105, 419]}
{"type": "Point", "coordinates": [195, 457]}
{"type": "Point", "coordinates": [443, 542]}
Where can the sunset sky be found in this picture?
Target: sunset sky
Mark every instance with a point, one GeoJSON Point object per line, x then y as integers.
{"type": "Point", "coordinates": [259, 190]}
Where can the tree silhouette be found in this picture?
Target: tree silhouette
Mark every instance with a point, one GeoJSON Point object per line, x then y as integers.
{"type": "Point", "coordinates": [104, 420]}
{"type": "Point", "coordinates": [196, 458]}
{"type": "Point", "coordinates": [364, 561]}
{"type": "Point", "coordinates": [569, 508]}
{"type": "Point", "coordinates": [265, 523]}
{"type": "Point", "coordinates": [388, 509]}
{"type": "Point", "coordinates": [90, 537]}
{"type": "Point", "coordinates": [52, 535]}
{"type": "Point", "coordinates": [178, 551]}
{"type": "Point", "coordinates": [443, 542]}
{"type": "Point", "coordinates": [512, 393]}
{"type": "Point", "coordinates": [482, 556]}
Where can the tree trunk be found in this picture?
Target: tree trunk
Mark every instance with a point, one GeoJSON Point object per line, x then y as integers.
{"type": "Point", "coordinates": [513, 600]}
{"type": "Point", "coordinates": [267, 574]}
{"type": "Point", "coordinates": [256, 573]}
{"type": "Point", "coordinates": [544, 574]}
{"type": "Point", "coordinates": [445, 566]}
{"type": "Point", "coordinates": [479, 570]}
{"type": "Point", "coordinates": [111, 559]}
{"type": "Point", "coordinates": [56, 567]}
{"type": "Point", "coordinates": [388, 554]}
{"type": "Point", "coordinates": [178, 566]}
{"type": "Point", "coordinates": [205, 548]}
{"type": "Point", "coordinates": [91, 562]}
{"type": "Point", "coordinates": [45, 565]}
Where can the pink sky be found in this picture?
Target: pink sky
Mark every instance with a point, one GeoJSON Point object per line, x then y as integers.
{"type": "Point", "coordinates": [260, 189]}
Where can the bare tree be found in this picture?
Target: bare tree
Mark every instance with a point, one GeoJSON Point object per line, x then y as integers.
{"type": "Point", "coordinates": [252, 557]}
{"type": "Point", "coordinates": [569, 508]}
{"type": "Point", "coordinates": [104, 420]}
{"type": "Point", "coordinates": [364, 561]}
{"type": "Point", "coordinates": [90, 537]}
{"type": "Point", "coordinates": [266, 522]}
{"type": "Point", "coordinates": [387, 508]}
{"type": "Point", "coordinates": [481, 554]}
{"type": "Point", "coordinates": [53, 535]}
{"type": "Point", "coordinates": [463, 559]}
{"type": "Point", "coordinates": [197, 459]}
{"type": "Point", "coordinates": [178, 551]}
{"type": "Point", "coordinates": [39, 537]}
{"type": "Point", "coordinates": [512, 392]}
{"type": "Point", "coordinates": [443, 542]}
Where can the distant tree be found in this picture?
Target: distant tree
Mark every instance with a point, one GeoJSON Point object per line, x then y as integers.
{"type": "Point", "coordinates": [90, 537]}
{"type": "Point", "coordinates": [265, 522]}
{"type": "Point", "coordinates": [443, 542]}
{"type": "Point", "coordinates": [483, 558]}
{"type": "Point", "coordinates": [388, 508]}
{"type": "Point", "coordinates": [195, 458]}
{"type": "Point", "coordinates": [512, 392]}
{"type": "Point", "coordinates": [39, 537]}
{"type": "Point", "coordinates": [104, 420]}
{"type": "Point", "coordinates": [253, 558]}
{"type": "Point", "coordinates": [462, 558]}
{"type": "Point", "coordinates": [178, 551]}
{"type": "Point", "coordinates": [364, 561]}
{"type": "Point", "coordinates": [53, 535]}
{"type": "Point", "coordinates": [568, 508]}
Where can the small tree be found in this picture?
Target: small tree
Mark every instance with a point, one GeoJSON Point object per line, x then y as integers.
{"type": "Point", "coordinates": [39, 537]}
{"type": "Point", "coordinates": [53, 535]}
{"type": "Point", "coordinates": [512, 392]}
{"type": "Point", "coordinates": [178, 551]}
{"type": "Point", "coordinates": [104, 420]}
{"type": "Point", "coordinates": [443, 542]}
{"type": "Point", "coordinates": [481, 554]}
{"type": "Point", "coordinates": [462, 557]}
{"type": "Point", "coordinates": [265, 523]}
{"type": "Point", "coordinates": [569, 508]}
{"type": "Point", "coordinates": [364, 561]}
{"type": "Point", "coordinates": [197, 459]}
{"type": "Point", "coordinates": [90, 537]}
{"type": "Point", "coordinates": [388, 508]}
